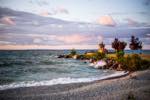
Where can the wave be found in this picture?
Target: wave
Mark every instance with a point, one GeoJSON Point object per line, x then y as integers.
{"type": "Point", "coordinates": [26, 62]}
{"type": "Point", "coordinates": [66, 80]}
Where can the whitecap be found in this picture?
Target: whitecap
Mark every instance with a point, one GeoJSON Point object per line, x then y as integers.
{"type": "Point", "coordinates": [65, 80]}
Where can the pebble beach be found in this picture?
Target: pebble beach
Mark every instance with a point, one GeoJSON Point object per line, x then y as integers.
{"type": "Point", "coordinates": [136, 86]}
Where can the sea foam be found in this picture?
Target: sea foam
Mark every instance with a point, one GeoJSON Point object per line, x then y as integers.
{"type": "Point", "coordinates": [66, 80]}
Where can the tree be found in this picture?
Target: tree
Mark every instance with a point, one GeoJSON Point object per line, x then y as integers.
{"type": "Point", "coordinates": [102, 45]}
{"type": "Point", "coordinates": [102, 48]}
{"type": "Point", "coordinates": [115, 44]}
{"type": "Point", "coordinates": [73, 52]}
{"type": "Point", "coordinates": [135, 44]}
{"type": "Point", "coordinates": [119, 47]}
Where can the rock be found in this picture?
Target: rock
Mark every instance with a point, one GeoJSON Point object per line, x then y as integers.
{"type": "Point", "coordinates": [60, 56]}
{"type": "Point", "coordinates": [75, 57]}
{"type": "Point", "coordinates": [100, 64]}
{"type": "Point", "coordinates": [119, 68]}
{"type": "Point", "coordinates": [67, 56]}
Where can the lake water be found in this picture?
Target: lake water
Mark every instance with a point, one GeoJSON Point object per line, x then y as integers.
{"type": "Point", "coordinates": [42, 67]}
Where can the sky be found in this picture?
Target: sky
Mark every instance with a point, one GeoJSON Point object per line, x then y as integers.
{"type": "Point", "coordinates": [83, 10]}
{"type": "Point", "coordinates": [90, 22]}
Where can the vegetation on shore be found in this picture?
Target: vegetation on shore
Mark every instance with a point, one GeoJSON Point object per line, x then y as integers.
{"type": "Point", "coordinates": [118, 60]}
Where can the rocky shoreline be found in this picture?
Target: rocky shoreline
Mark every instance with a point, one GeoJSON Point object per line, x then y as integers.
{"type": "Point", "coordinates": [99, 60]}
{"type": "Point", "coordinates": [108, 63]}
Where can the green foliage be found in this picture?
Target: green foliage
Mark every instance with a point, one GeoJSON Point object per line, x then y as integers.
{"type": "Point", "coordinates": [118, 45]}
{"type": "Point", "coordinates": [87, 56]}
{"type": "Point", "coordinates": [121, 60]}
{"type": "Point", "coordinates": [135, 43]}
{"type": "Point", "coordinates": [95, 56]}
{"type": "Point", "coordinates": [120, 54]}
{"type": "Point", "coordinates": [73, 52]}
{"type": "Point", "coordinates": [98, 56]}
{"type": "Point", "coordinates": [145, 64]}
{"type": "Point", "coordinates": [134, 62]}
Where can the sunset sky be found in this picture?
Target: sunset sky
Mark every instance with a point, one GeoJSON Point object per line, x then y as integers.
{"type": "Point", "coordinates": [66, 24]}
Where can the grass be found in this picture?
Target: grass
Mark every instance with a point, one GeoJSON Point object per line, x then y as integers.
{"type": "Point", "coordinates": [143, 56]}
{"type": "Point", "coordinates": [132, 62]}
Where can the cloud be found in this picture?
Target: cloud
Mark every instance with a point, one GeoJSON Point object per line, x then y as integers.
{"type": "Point", "coordinates": [72, 39]}
{"type": "Point", "coordinates": [6, 42]}
{"type": "Point", "coordinates": [54, 11]}
{"type": "Point", "coordinates": [45, 13]}
{"type": "Point", "coordinates": [40, 37]}
{"type": "Point", "coordinates": [35, 23]}
{"type": "Point", "coordinates": [37, 40]}
{"type": "Point", "coordinates": [130, 13]}
{"type": "Point", "coordinates": [39, 2]}
{"type": "Point", "coordinates": [61, 39]}
{"type": "Point", "coordinates": [59, 47]}
{"type": "Point", "coordinates": [7, 20]}
{"type": "Point", "coordinates": [131, 22]}
{"type": "Point", "coordinates": [148, 34]}
{"type": "Point", "coordinates": [100, 38]}
{"type": "Point", "coordinates": [146, 2]}
{"type": "Point", "coordinates": [64, 39]}
{"type": "Point", "coordinates": [60, 10]}
{"type": "Point", "coordinates": [107, 21]}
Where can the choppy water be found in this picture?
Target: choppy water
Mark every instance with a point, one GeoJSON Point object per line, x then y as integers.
{"type": "Point", "coordinates": [35, 67]}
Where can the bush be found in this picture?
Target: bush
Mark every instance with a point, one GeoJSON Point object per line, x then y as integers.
{"type": "Point", "coordinates": [134, 62]}
{"type": "Point", "coordinates": [73, 52]}
{"type": "Point", "coordinates": [145, 64]}
{"type": "Point", "coordinates": [98, 56]}
{"type": "Point", "coordinates": [95, 56]}
{"type": "Point", "coordinates": [120, 53]}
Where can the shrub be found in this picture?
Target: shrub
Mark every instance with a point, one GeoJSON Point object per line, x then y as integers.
{"type": "Point", "coordinates": [95, 56]}
{"type": "Point", "coordinates": [134, 62]}
{"type": "Point", "coordinates": [98, 56]}
{"type": "Point", "coordinates": [73, 52]}
{"type": "Point", "coordinates": [145, 64]}
{"type": "Point", "coordinates": [120, 54]}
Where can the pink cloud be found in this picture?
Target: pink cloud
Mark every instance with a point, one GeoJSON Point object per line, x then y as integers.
{"type": "Point", "coordinates": [37, 40]}
{"type": "Point", "coordinates": [45, 13]}
{"type": "Point", "coordinates": [54, 11]}
{"type": "Point", "coordinates": [131, 22]}
{"type": "Point", "coordinates": [7, 20]}
{"type": "Point", "coordinates": [106, 20]}
{"type": "Point", "coordinates": [68, 39]}
{"type": "Point", "coordinates": [59, 47]}
{"type": "Point", "coordinates": [62, 10]}
{"type": "Point", "coordinates": [75, 38]}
